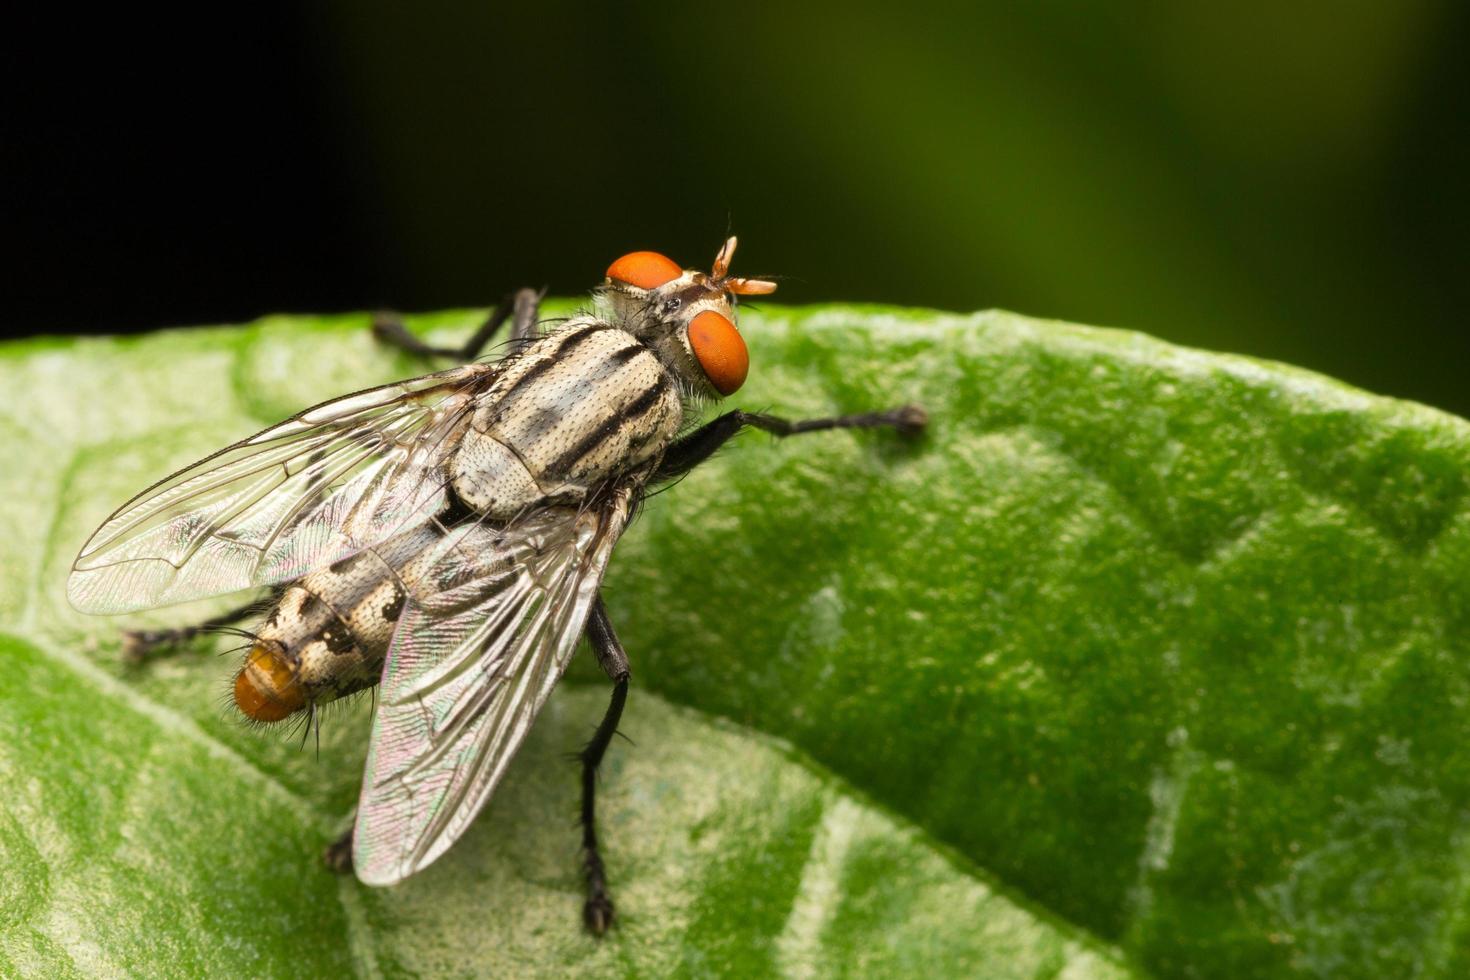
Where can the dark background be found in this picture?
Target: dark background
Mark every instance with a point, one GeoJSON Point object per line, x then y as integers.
{"type": "Point", "coordinates": [1260, 177]}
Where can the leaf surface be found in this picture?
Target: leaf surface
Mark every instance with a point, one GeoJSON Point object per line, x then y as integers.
{"type": "Point", "coordinates": [1141, 658]}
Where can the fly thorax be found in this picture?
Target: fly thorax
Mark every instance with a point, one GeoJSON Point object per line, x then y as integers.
{"type": "Point", "coordinates": [582, 405]}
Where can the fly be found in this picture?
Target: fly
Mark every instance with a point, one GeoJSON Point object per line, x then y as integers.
{"type": "Point", "coordinates": [444, 538]}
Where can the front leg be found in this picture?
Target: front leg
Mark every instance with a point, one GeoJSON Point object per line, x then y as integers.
{"type": "Point", "coordinates": [520, 308]}
{"type": "Point", "coordinates": [701, 444]}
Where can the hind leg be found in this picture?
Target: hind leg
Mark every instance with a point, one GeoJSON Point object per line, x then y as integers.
{"type": "Point", "coordinates": [140, 646]}
{"type": "Point", "coordinates": [338, 855]}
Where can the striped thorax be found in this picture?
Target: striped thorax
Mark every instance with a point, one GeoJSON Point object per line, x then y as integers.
{"type": "Point", "coordinates": [579, 406]}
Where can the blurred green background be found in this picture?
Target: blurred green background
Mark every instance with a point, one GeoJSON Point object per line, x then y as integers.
{"type": "Point", "coordinates": [1276, 179]}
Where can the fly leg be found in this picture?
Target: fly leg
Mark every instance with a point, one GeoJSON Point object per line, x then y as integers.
{"type": "Point", "coordinates": [597, 913]}
{"type": "Point", "coordinates": [519, 307]}
{"type": "Point", "coordinates": [522, 326]}
{"type": "Point", "coordinates": [338, 855]}
{"type": "Point", "coordinates": [701, 444]}
{"type": "Point", "coordinates": [140, 646]}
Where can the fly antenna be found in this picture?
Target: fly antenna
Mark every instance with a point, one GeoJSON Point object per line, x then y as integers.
{"type": "Point", "coordinates": [740, 287]}
{"type": "Point", "coordinates": [722, 260]}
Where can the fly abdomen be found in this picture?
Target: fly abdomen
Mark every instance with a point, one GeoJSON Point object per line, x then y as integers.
{"type": "Point", "coordinates": [580, 405]}
{"type": "Point", "coordinates": [327, 635]}
{"type": "Point", "coordinates": [292, 648]}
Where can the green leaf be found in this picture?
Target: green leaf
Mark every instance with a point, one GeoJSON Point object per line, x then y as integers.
{"type": "Point", "coordinates": [1140, 658]}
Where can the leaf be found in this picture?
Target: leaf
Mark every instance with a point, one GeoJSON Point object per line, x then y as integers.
{"type": "Point", "coordinates": [1141, 657]}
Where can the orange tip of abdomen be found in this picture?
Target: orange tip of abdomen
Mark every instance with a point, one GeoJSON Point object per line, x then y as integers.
{"type": "Point", "coordinates": [266, 689]}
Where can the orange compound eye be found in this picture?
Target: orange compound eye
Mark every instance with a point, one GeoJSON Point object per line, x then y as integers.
{"type": "Point", "coordinates": [646, 270]}
{"type": "Point", "coordinates": [721, 351]}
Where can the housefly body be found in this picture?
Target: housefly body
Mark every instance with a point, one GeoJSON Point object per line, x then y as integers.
{"type": "Point", "coordinates": [444, 538]}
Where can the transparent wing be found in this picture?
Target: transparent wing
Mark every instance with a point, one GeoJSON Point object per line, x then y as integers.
{"type": "Point", "coordinates": [487, 634]}
{"type": "Point", "coordinates": [312, 490]}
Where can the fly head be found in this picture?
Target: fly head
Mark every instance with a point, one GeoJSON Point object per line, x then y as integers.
{"type": "Point", "coordinates": [686, 316]}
